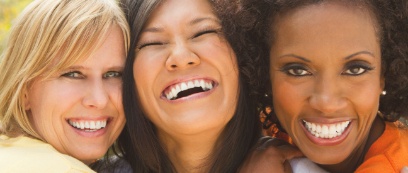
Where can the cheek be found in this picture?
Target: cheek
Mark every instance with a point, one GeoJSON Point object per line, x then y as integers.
{"type": "Point", "coordinates": [286, 101]}
{"type": "Point", "coordinates": [366, 103]}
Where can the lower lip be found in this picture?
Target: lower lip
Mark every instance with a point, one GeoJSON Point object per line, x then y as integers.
{"type": "Point", "coordinates": [90, 134]}
{"type": "Point", "coordinates": [192, 96]}
{"type": "Point", "coordinates": [328, 141]}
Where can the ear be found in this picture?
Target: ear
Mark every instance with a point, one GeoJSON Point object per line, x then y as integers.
{"type": "Point", "coordinates": [26, 101]}
{"type": "Point", "coordinates": [382, 83]}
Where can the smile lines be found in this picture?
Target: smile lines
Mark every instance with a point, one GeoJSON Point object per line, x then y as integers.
{"type": "Point", "coordinates": [173, 92]}
{"type": "Point", "coordinates": [88, 125]}
{"type": "Point", "coordinates": [326, 131]}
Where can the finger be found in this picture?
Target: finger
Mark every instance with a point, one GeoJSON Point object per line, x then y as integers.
{"type": "Point", "coordinates": [290, 152]}
{"type": "Point", "coordinates": [287, 167]}
{"type": "Point", "coordinates": [404, 169]}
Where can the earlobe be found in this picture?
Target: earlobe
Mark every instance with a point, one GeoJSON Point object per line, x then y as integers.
{"type": "Point", "coordinates": [382, 84]}
{"type": "Point", "coordinates": [26, 102]}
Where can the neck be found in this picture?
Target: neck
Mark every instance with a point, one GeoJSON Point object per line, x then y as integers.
{"type": "Point", "coordinates": [190, 153]}
{"type": "Point", "coordinates": [357, 157]}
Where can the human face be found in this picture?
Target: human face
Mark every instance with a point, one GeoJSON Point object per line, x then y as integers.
{"type": "Point", "coordinates": [185, 71]}
{"type": "Point", "coordinates": [79, 110]}
{"type": "Point", "coordinates": [326, 77]}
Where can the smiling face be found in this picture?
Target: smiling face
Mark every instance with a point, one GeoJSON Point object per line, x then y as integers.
{"type": "Point", "coordinates": [326, 78]}
{"type": "Point", "coordinates": [79, 110]}
{"type": "Point", "coordinates": [185, 71]}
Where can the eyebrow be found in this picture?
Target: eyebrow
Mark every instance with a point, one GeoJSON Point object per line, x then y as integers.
{"type": "Point", "coordinates": [76, 67]}
{"type": "Point", "coordinates": [200, 19]}
{"type": "Point", "coordinates": [153, 29]}
{"type": "Point", "coordinates": [193, 22]}
{"type": "Point", "coordinates": [80, 67]}
{"type": "Point", "coordinates": [346, 58]}
{"type": "Point", "coordinates": [358, 53]}
{"type": "Point", "coordinates": [295, 56]}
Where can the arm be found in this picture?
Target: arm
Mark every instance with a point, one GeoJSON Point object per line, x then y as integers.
{"type": "Point", "coordinates": [270, 155]}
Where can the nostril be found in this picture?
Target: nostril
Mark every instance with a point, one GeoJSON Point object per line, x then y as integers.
{"type": "Point", "coordinates": [173, 66]}
{"type": "Point", "coordinates": [190, 63]}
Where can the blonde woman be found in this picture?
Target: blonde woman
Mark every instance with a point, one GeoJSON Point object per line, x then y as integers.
{"type": "Point", "coordinates": [60, 90]}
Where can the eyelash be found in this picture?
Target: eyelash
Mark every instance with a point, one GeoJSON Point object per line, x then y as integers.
{"type": "Point", "coordinates": [150, 44]}
{"type": "Point", "coordinates": [158, 43]}
{"type": "Point", "coordinates": [289, 69]}
{"type": "Point", "coordinates": [206, 31]}
{"type": "Point", "coordinates": [361, 66]}
{"type": "Point", "coordinates": [72, 75]}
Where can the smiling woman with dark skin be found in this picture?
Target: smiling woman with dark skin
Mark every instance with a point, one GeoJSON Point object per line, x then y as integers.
{"type": "Point", "coordinates": [337, 76]}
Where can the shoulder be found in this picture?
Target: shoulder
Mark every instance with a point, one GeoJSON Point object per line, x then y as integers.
{"type": "Point", "coordinates": [113, 164]}
{"type": "Point", "coordinates": [389, 152]}
{"type": "Point", "coordinates": [23, 154]}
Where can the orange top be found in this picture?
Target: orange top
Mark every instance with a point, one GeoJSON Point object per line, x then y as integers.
{"type": "Point", "coordinates": [389, 153]}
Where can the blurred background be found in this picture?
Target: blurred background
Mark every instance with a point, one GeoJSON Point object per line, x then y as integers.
{"type": "Point", "coordinates": [9, 9]}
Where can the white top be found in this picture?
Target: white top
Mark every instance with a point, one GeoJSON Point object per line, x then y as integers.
{"type": "Point", "coordinates": [304, 165]}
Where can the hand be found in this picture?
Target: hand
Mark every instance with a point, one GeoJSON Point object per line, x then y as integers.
{"type": "Point", "coordinates": [271, 155]}
{"type": "Point", "coordinates": [404, 169]}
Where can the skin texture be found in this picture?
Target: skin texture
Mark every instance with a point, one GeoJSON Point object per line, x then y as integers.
{"type": "Point", "coordinates": [326, 68]}
{"type": "Point", "coordinates": [270, 154]}
{"type": "Point", "coordinates": [180, 44]}
{"type": "Point", "coordinates": [90, 90]}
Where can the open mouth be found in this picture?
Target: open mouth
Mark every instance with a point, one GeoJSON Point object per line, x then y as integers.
{"type": "Point", "coordinates": [326, 131]}
{"type": "Point", "coordinates": [188, 88]}
{"type": "Point", "coordinates": [88, 126]}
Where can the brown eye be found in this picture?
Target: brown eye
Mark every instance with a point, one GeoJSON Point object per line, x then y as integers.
{"type": "Point", "coordinates": [298, 72]}
{"type": "Point", "coordinates": [357, 70]}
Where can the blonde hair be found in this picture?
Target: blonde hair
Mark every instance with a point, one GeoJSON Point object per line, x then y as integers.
{"type": "Point", "coordinates": [46, 30]}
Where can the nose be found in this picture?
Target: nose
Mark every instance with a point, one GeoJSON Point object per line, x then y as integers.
{"type": "Point", "coordinates": [327, 96]}
{"type": "Point", "coordinates": [96, 95]}
{"type": "Point", "coordinates": [181, 57]}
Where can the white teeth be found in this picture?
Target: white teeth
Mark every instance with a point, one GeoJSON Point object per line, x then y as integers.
{"type": "Point", "coordinates": [190, 84]}
{"type": "Point", "coordinates": [183, 86]}
{"type": "Point", "coordinates": [326, 130]}
{"type": "Point", "coordinates": [173, 92]}
{"type": "Point", "coordinates": [88, 125]}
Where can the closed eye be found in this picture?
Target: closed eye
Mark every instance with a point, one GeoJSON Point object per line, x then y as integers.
{"type": "Point", "coordinates": [141, 46]}
{"type": "Point", "coordinates": [208, 31]}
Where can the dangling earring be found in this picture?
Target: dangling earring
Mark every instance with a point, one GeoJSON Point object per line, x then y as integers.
{"type": "Point", "coordinates": [383, 93]}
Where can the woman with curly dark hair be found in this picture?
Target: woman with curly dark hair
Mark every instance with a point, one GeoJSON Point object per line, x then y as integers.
{"type": "Point", "coordinates": [338, 77]}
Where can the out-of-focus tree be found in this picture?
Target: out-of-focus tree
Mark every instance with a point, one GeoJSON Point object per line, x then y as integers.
{"type": "Point", "coordinates": [9, 9]}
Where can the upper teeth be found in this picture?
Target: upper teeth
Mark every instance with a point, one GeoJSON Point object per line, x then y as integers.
{"type": "Point", "coordinates": [88, 125]}
{"type": "Point", "coordinates": [175, 89]}
{"type": "Point", "coordinates": [326, 130]}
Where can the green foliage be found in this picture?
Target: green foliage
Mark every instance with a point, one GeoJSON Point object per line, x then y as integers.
{"type": "Point", "coordinates": [9, 9]}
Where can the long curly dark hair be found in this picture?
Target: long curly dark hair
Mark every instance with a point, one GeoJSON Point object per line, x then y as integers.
{"type": "Point", "coordinates": [250, 29]}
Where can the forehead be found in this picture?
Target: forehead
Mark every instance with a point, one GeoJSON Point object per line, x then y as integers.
{"type": "Point", "coordinates": [325, 24]}
{"type": "Point", "coordinates": [179, 10]}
